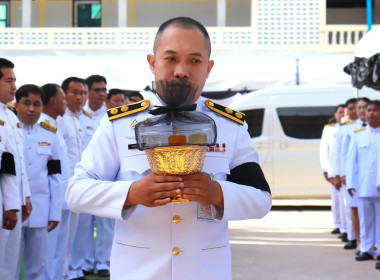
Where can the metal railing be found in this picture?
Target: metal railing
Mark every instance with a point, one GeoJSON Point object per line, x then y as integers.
{"type": "Point", "coordinates": [333, 38]}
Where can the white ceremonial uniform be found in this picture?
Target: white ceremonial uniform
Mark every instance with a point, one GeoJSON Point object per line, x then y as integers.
{"type": "Point", "coordinates": [340, 150]}
{"type": "Point", "coordinates": [12, 244]}
{"type": "Point", "coordinates": [97, 256]}
{"type": "Point", "coordinates": [72, 134]}
{"type": "Point", "coordinates": [42, 158]}
{"type": "Point", "coordinates": [338, 209]}
{"type": "Point", "coordinates": [58, 238]}
{"type": "Point", "coordinates": [84, 239]}
{"type": "Point", "coordinates": [361, 176]}
{"type": "Point", "coordinates": [175, 241]}
{"type": "Point", "coordinates": [9, 191]}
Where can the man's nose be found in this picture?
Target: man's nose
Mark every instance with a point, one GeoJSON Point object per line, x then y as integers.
{"type": "Point", "coordinates": [181, 71]}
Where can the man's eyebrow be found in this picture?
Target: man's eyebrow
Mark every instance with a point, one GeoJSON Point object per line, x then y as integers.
{"type": "Point", "coordinates": [192, 54]}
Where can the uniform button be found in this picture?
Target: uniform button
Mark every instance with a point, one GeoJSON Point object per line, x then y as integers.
{"type": "Point", "coordinates": [20, 157]}
{"type": "Point", "coordinates": [17, 142]}
{"type": "Point", "coordinates": [71, 166]}
{"type": "Point", "coordinates": [176, 219]}
{"type": "Point", "coordinates": [29, 147]}
{"type": "Point", "coordinates": [176, 251]}
{"type": "Point", "coordinates": [373, 171]}
{"type": "Point", "coordinates": [29, 179]}
{"type": "Point", "coordinates": [29, 163]}
{"type": "Point", "coordinates": [28, 132]}
{"type": "Point", "coordinates": [23, 173]}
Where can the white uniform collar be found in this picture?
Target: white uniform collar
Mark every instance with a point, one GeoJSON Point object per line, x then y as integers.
{"type": "Point", "coordinates": [3, 106]}
{"type": "Point", "coordinates": [26, 127]}
{"type": "Point", "coordinates": [45, 117]}
{"type": "Point", "coordinates": [71, 113]}
{"type": "Point", "coordinates": [374, 130]}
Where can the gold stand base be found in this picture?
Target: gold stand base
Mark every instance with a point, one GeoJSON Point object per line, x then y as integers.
{"type": "Point", "coordinates": [179, 199]}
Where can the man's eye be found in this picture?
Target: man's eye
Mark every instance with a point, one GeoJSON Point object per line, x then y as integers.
{"type": "Point", "coordinates": [196, 61]}
{"type": "Point", "coordinates": [170, 58]}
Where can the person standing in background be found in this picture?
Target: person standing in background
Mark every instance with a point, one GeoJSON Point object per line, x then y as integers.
{"type": "Point", "coordinates": [43, 157]}
{"type": "Point", "coordinates": [54, 101]}
{"type": "Point", "coordinates": [11, 238]}
{"type": "Point", "coordinates": [326, 159]}
{"type": "Point", "coordinates": [86, 257]}
{"type": "Point", "coordinates": [69, 125]}
{"type": "Point", "coordinates": [362, 171]}
{"type": "Point", "coordinates": [115, 98]}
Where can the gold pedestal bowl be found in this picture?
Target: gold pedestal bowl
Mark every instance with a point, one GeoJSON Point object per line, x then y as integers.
{"type": "Point", "coordinates": [176, 160]}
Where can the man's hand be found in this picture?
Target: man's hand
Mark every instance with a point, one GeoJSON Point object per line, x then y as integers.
{"type": "Point", "coordinates": [52, 225]}
{"type": "Point", "coordinates": [326, 177]}
{"type": "Point", "coordinates": [154, 190]}
{"type": "Point", "coordinates": [352, 192]}
{"type": "Point", "coordinates": [343, 179]}
{"type": "Point", "coordinates": [27, 209]}
{"type": "Point", "coordinates": [337, 182]}
{"type": "Point", "coordinates": [9, 219]}
{"type": "Point", "coordinates": [200, 188]}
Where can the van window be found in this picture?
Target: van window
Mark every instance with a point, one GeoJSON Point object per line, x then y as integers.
{"type": "Point", "coordinates": [254, 119]}
{"type": "Point", "coordinates": [304, 122]}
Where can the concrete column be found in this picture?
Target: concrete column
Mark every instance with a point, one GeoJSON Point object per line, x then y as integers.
{"type": "Point", "coordinates": [122, 6]}
{"type": "Point", "coordinates": [221, 13]}
{"type": "Point", "coordinates": [26, 20]}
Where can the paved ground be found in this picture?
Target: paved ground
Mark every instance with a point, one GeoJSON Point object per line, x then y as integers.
{"type": "Point", "coordinates": [293, 245]}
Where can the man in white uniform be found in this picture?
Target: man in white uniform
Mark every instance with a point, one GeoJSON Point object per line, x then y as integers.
{"type": "Point", "coordinates": [338, 161]}
{"type": "Point", "coordinates": [43, 168]}
{"type": "Point", "coordinates": [72, 133]}
{"type": "Point", "coordinates": [340, 150]}
{"type": "Point", "coordinates": [155, 239]}
{"type": "Point", "coordinates": [326, 160]}
{"type": "Point", "coordinates": [361, 181]}
{"type": "Point", "coordinates": [10, 203]}
{"type": "Point", "coordinates": [85, 255]}
{"type": "Point", "coordinates": [54, 107]}
{"type": "Point", "coordinates": [11, 238]}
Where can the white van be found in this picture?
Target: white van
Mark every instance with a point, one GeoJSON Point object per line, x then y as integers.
{"type": "Point", "coordinates": [286, 126]}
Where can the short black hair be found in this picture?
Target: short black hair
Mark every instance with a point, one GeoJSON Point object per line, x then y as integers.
{"type": "Point", "coordinates": [350, 101]}
{"type": "Point", "coordinates": [374, 102]}
{"type": "Point", "coordinates": [94, 79]}
{"type": "Point", "coordinates": [184, 22]}
{"type": "Point", "coordinates": [66, 82]}
{"type": "Point", "coordinates": [365, 99]}
{"type": "Point", "coordinates": [5, 63]}
{"type": "Point", "coordinates": [50, 90]}
{"type": "Point", "coordinates": [114, 91]}
{"type": "Point", "coordinates": [24, 91]}
{"type": "Point", "coordinates": [132, 93]}
{"type": "Point", "coordinates": [339, 106]}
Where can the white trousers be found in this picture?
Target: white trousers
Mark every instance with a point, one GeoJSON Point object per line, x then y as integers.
{"type": "Point", "coordinates": [35, 249]}
{"type": "Point", "coordinates": [60, 242]}
{"type": "Point", "coordinates": [369, 217]}
{"type": "Point", "coordinates": [9, 250]}
{"type": "Point", "coordinates": [338, 208]}
{"type": "Point", "coordinates": [80, 247]}
{"type": "Point", "coordinates": [99, 256]}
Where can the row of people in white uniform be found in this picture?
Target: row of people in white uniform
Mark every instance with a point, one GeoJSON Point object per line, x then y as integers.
{"type": "Point", "coordinates": [44, 149]}
{"type": "Point", "coordinates": [351, 166]}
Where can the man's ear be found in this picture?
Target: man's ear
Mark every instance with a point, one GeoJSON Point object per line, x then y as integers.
{"type": "Point", "coordinates": [152, 62]}
{"type": "Point", "coordinates": [209, 67]}
{"type": "Point", "coordinates": [16, 105]}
